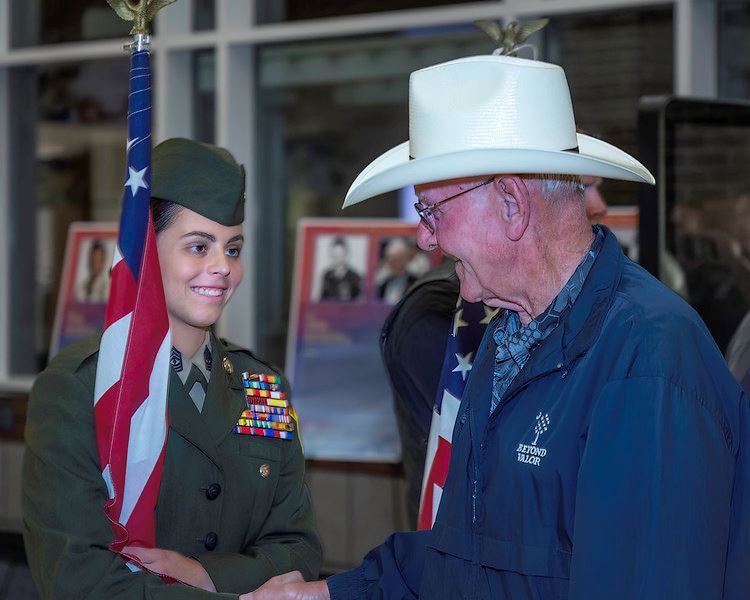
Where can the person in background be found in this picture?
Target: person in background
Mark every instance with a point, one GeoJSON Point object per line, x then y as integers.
{"type": "Point", "coordinates": [738, 354]}
{"type": "Point", "coordinates": [393, 277]}
{"type": "Point", "coordinates": [593, 201]}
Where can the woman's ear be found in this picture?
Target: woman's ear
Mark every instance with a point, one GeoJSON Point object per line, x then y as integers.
{"type": "Point", "coordinates": [514, 205]}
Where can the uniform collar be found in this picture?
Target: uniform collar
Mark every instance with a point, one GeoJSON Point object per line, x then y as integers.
{"type": "Point", "coordinates": [202, 358]}
{"type": "Point", "coordinates": [225, 401]}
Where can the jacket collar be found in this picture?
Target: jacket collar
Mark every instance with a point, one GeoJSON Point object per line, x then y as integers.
{"type": "Point", "coordinates": [583, 323]}
{"type": "Point", "coordinates": [224, 403]}
{"type": "Point", "coordinates": [576, 333]}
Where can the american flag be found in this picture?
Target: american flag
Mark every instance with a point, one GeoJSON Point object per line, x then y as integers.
{"type": "Point", "coordinates": [469, 322]}
{"type": "Point", "coordinates": [130, 396]}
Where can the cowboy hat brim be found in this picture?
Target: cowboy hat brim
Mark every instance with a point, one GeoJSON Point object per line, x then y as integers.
{"type": "Point", "coordinates": [395, 169]}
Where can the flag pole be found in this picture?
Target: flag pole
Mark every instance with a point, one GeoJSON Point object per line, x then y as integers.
{"type": "Point", "coordinates": [130, 394]}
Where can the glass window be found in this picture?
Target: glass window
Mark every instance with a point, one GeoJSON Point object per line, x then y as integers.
{"type": "Point", "coordinates": [611, 60]}
{"type": "Point", "coordinates": [68, 162]}
{"type": "Point", "coordinates": [273, 11]}
{"type": "Point", "coordinates": [325, 110]}
{"type": "Point", "coordinates": [204, 15]}
{"type": "Point", "coordinates": [204, 85]}
{"type": "Point", "coordinates": [53, 22]}
{"type": "Point", "coordinates": [708, 215]}
{"type": "Point", "coordinates": [734, 49]}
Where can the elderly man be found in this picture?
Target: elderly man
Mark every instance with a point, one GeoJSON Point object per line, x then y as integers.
{"type": "Point", "coordinates": [601, 445]}
{"type": "Point", "coordinates": [413, 345]}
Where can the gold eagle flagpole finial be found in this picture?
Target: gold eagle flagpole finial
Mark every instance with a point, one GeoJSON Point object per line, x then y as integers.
{"type": "Point", "coordinates": [141, 12]}
{"type": "Point", "coordinates": [510, 39]}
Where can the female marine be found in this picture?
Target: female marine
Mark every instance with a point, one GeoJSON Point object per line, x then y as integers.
{"type": "Point", "coordinates": [233, 509]}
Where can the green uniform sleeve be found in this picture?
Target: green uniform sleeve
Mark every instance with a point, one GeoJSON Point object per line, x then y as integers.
{"type": "Point", "coordinates": [65, 530]}
{"type": "Point", "coordinates": [287, 540]}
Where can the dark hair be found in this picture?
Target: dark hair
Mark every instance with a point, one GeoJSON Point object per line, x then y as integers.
{"type": "Point", "coordinates": [164, 213]}
{"type": "Point", "coordinates": [339, 241]}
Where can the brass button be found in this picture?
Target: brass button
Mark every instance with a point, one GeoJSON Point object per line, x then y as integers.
{"type": "Point", "coordinates": [265, 470]}
{"type": "Point", "coordinates": [227, 365]}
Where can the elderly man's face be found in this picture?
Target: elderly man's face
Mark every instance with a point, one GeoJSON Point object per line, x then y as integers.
{"type": "Point", "coordinates": [466, 228]}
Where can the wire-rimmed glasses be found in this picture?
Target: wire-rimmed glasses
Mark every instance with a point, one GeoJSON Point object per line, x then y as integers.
{"type": "Point", "coordinates": [426, 214]}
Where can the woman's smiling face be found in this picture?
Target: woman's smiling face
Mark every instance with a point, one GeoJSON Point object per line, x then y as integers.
{"type": "Point", "coordinates": [200, 268]}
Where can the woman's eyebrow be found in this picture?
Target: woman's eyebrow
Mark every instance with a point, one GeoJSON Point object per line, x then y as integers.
{"type": "Point", "coordinates": [212, 238]}
{"type": "Point", "coordinates": [202, 234]}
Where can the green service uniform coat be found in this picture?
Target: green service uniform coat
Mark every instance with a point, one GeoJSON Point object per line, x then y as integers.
{"type": "Point", "coordinates": [236, 503]}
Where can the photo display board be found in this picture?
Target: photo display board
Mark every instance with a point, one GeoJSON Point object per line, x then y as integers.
{"type": "Point", "coordinates": [348, 276]}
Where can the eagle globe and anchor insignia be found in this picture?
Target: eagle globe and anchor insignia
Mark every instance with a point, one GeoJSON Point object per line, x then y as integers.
{"type": "Point", "coordinates": [531, 453]}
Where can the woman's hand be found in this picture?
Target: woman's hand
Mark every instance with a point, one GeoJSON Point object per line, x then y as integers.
{"type": "Point", "coordinates": [174, 565]}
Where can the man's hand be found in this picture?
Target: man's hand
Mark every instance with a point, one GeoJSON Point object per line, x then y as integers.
{"type": "Point", "coordinates": [173, 564]}
{"type": "Point", "coordinates": [289, 586]}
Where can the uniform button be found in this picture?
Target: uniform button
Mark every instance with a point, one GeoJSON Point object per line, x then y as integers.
{"type": "Point", "coordinates": [213, 491]}
{"type": "Point", "coordinates": [265, 470]}
{"type": "Point", "coordinates": [210, 540]}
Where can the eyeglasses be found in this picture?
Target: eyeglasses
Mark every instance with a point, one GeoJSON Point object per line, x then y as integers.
{"type": "Point", "coordinates": [426, 214]}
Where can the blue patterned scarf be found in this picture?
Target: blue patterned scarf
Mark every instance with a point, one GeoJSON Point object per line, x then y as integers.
{"type": "Point", "coordinates": [515, 342]}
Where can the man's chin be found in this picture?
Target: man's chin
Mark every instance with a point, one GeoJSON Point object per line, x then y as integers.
{"type": "Point", "coordinates": [469, 292]}
{"type": "Point", "coordinates": [470, 295]}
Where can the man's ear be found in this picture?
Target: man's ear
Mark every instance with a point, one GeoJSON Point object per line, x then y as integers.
{"type": "Point", "coordinates": [514, 205]}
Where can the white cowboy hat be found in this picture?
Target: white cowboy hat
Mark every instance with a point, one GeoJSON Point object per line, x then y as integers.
{"type": "Point", "coordinates": [491, 114]}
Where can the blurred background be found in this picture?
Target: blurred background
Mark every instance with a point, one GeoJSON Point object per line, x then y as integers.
{"type": "Point", "coordinates": [305, 93]}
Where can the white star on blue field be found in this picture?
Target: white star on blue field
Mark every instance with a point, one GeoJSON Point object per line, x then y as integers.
{"type": "Point", "coordinates": [135, 180]}
{"type": "Point", "coordinates": [464, 364]}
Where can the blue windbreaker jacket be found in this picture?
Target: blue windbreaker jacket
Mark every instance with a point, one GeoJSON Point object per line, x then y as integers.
{"type": "Point", "coordinates": [617, 466]}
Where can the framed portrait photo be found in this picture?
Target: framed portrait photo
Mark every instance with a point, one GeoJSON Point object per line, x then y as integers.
{"type": "Point", "coordinates": [84, 286]}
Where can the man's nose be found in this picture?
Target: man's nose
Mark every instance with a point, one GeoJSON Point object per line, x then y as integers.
{"type": "Point", "coordinates": [425, 238]}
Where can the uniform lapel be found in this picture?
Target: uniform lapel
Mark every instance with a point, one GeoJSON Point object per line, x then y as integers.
{"type": "Point", "coordinates": [225, 399]}
{"type": "Point", "coordinates": [185, 419]}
